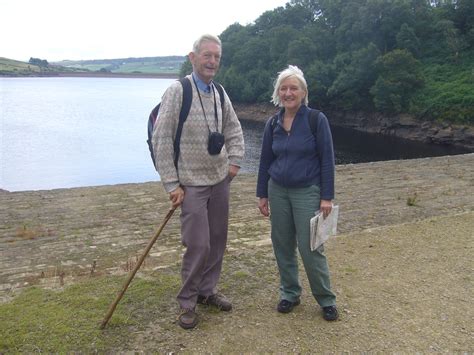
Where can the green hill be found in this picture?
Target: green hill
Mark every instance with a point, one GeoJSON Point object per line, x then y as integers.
{"type": "Point", "coordinates": [15, 67]}
{"type": "Point", "coordinates": [169, 65]}
{"type": "Point", "coordinates": [11, 67]}
{"type": "Point", "coordinates": [143, 65]}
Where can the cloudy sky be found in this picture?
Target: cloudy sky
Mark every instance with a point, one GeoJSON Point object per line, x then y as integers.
{"type": "Point", "coordinates": [102, 29]}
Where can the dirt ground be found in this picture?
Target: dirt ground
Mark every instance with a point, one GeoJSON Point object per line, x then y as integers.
{"type": "Point", "coordinates": [400, 288]}
{"type": "Point", "coordinates": [401, 265]}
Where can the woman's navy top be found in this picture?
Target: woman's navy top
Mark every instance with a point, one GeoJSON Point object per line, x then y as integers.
{"type": "Point", "coordinates": [297, 158]}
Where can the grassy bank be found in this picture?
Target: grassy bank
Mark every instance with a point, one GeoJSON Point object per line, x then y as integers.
{"type": "Point", "coordinates": [384, 307]}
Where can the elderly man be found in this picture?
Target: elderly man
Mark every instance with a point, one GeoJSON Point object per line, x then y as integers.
{"type": "Point", "coordinates": [200, 181]}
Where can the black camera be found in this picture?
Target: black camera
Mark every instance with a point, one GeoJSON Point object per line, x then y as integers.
{"type": "Point", "coordinates": [216, 142]}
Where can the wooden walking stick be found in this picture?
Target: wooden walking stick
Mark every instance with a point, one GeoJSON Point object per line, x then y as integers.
{"type": "Point", "coordinates": [134, 271]}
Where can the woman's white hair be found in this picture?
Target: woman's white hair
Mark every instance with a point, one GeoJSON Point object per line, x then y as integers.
{"type": "Point", "coordinates": [291, 71]}
{"type": "Point", "coordinates": [205, 38]}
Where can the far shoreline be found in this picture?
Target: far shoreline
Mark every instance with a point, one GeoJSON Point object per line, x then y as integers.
{"type": "Point", "coordinates": [402, 125]}
{"type": "Point", "coordinates": [96, 75]}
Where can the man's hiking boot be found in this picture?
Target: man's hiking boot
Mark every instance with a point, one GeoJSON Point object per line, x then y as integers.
{"type": "Point", "coordinates": [330, 313]}
{"type": "Point", "coordinates": [187, 318]}
{"type": "Point", "coordinates": [218, 300]}
{"type": "Point", "coordinates": [286, 306]}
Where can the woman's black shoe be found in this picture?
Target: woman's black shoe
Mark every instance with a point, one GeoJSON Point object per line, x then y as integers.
{"type": "Point", "coordinates": [330, 313]}
{"type": "Point", "coordinates": [286, 306]}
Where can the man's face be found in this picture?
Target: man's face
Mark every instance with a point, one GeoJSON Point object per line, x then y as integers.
{"type": "Point", "coordinates": [206, 61]}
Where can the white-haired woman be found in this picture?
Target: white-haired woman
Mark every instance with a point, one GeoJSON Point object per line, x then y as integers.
{"type": "Point", "coordinates": [296, 179]}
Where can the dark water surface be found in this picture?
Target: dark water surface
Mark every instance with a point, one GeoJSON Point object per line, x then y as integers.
{"type": "Point", "coordinates": [72, 132]}
{"type": "Point", "coordinates": [352, 146]}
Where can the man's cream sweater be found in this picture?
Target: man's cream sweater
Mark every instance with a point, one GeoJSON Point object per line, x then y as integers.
{"type": "Point", "coordinates": [196, 167]}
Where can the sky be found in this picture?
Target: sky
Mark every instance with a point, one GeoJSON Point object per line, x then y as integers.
{"type": "Point", "coordinates": [106, 29]}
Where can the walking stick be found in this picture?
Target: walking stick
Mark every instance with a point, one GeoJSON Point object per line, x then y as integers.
{"type": "Point", "coordinates": [132, 274]}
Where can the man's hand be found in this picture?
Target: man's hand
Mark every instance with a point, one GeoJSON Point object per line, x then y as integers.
{"type": "Point", "coordinates": [325, 207]}
{"type": "Point", "coordinates": [233, 171]}
{"type": "Point", "coordinates": [263, 206]}
{"type": "Point", "coordinates": [177, 197]}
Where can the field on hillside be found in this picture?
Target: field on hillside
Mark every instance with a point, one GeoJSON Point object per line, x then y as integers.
{"type": "Point", "coordinates": [15, 66]}
{"type": "Point", "coordinates": [148, 65]}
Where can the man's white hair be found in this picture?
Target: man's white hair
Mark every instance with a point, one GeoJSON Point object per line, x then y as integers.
{"type": "Point", "coordinates": [205, 38]}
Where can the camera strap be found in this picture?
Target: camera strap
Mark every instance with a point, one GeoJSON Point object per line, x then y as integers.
{"type": "Point", "coordinates": [202, 106]}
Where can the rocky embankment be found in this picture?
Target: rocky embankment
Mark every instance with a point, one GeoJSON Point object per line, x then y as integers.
{"type": "Point", "coordinates": [401, 265]}
{"type": "Point", "coordinates": [403, 126]}
{"type": "Point", "coordinates": [51, 237]}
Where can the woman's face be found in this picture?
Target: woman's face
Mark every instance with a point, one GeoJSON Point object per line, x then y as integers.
{"type": "Point", "coordinates": [291, 94]}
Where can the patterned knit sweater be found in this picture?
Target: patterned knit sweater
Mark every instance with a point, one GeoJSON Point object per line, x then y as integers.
{"type": "Point", "coordinates": [196, 167]}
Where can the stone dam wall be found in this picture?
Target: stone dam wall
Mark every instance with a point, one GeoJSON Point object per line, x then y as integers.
{"type": "Point", "coordinates": [53, 237]}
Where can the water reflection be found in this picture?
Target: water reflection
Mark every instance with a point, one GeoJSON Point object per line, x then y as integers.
{"type": "Point", "coordinates": [351, 146]}
{"type": "Point", "coordinates": [71, 132]}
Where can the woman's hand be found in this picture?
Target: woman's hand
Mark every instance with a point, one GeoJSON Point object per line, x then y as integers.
{"type": "Point", "coordinates": [263, 206]}
{"type": "Point", "coordinates": [325, 207]}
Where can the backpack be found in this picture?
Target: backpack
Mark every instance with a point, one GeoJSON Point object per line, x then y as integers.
{"type": "Point", "coordinates": [313, 118]}
{"type": "Point", "coordinates": [183, 115]}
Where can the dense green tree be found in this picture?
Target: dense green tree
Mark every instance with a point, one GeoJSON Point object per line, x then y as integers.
{"type": "Point", "coordinates": [359, 55]}
{"type": "Point", "coordinates": [267, 21]}
{"type": "Point", "coordinates": [279, 42]}
{"type": "Point", "coordinates": [186, 68]}
{"type": "Point", "coordinates": [450, 39]}
{"type": "Point", "coordinates": [39, 62]}
{"type": "Point", "coordinates": [399, 77]}
{"type": "Point", "coordinates": [320, 76]}
{"type": "Point", "coordinates": [301, 52]}
{"type": "Point", "coordinates": [356, 75]}
{"type": "Point", "coordinates": [253, 54]}
{"type": "Point", "coordinates": [407, 39]}
{"type": "Point", "coordinates": [296, 15]}
{"type": "Point", "coordinates": [233, 39]}
{"type": "Point", "coordinates": [464, 16]}
{"type": "Point", "coordinates": [235, 84]}
{"type": "Point", "coordinates": [350, 31]}
{"type": "Point", "coordinates": [323, 39]}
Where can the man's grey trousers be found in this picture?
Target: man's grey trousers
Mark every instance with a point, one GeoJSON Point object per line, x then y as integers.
{"type": "Point", "coordinates": [204, 224]}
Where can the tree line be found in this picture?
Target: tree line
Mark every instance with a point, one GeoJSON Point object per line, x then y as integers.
{"type": "Point", "coordinates": [399, 56]}
{"type": "Point", "coordinates": [43, 63]}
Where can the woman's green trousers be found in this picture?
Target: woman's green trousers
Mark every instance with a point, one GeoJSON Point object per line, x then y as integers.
{"type": "Point", "coordinates": [291, 210]}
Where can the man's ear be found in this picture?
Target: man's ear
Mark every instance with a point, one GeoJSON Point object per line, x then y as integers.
{"type": "Point", "coordinates": [191, 56]}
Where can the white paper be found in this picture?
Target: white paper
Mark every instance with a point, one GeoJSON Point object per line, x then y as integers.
{"type": "Point", "coordinates": [322, 228]}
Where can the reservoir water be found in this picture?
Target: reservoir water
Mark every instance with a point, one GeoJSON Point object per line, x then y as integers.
{"type": "Point", "coordinates": [71, 132]}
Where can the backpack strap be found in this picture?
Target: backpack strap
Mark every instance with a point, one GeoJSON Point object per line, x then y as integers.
{"type": "Point", "coordinates": [183, 115]}
{"type": "Point", "coordinates": [220, 90]}
{"type": "Point", "coordinates": [273, 122]}
{"type": "Point", "coordinates": [313, 118]}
